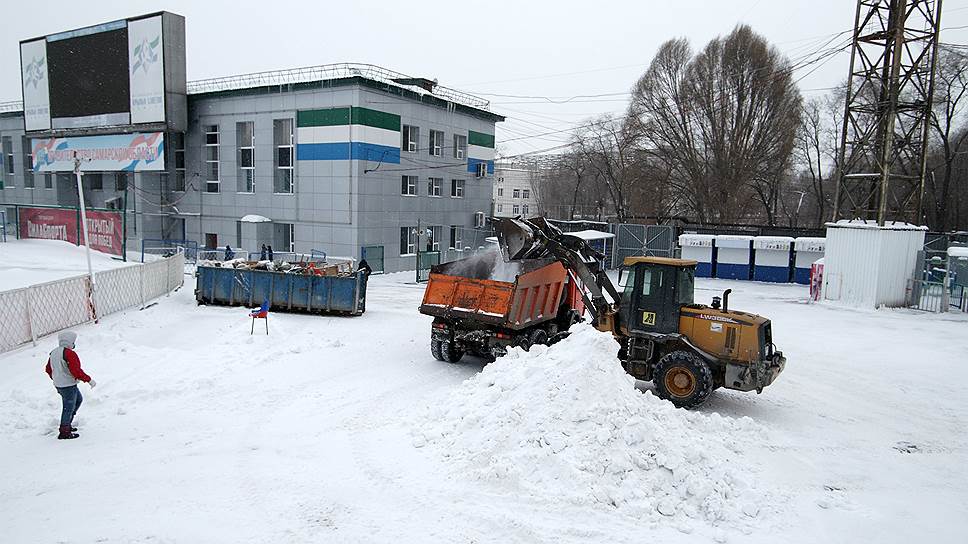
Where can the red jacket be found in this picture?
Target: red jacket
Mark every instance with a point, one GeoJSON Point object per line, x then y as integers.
{"type": "Point", "coordinates": [73, 364]}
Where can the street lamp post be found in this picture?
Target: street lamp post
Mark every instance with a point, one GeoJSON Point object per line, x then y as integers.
{"type": "Point", "coordinates": [87, 246]}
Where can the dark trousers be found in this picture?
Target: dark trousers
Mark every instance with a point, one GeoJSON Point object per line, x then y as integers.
{"type": "Point", "coordinates": [72, 399]}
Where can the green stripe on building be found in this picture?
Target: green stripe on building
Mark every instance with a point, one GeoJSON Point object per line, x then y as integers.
{"type": "Point", "coordinates": [323, 118]}
{"type": "Point", "coordinates": [377, 119]}
{"type": "Point", "coordinates": [345, 116]}
{"type": "Point", "coordinates": [479, 138]}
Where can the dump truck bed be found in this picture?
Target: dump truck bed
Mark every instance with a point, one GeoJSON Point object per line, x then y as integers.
{"type": "Point", "coordinates": [484, 288]}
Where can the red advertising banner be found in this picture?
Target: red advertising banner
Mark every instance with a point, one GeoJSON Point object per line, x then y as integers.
{"type": "Point", "coordinates": [104, 228]}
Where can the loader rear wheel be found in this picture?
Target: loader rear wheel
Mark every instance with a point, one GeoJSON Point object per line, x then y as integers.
{"type": "Point", "coordinates": [683, 378]}
{"type": "Point", "coordinates": [435, 349]}
{"type": "Point", "coordinates": [450, 352]}
{"type": "Point", "coordinates": [538, 336]}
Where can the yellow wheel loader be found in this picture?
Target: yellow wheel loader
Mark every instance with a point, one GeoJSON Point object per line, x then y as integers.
{"type": "Point", "coordinates": [686, 349]}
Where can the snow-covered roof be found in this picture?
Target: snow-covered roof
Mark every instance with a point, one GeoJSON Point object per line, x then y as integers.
{"type": "Point", "coordinates": [872, 224]}
{"type": "Point", "coordinates": [955, 251]}
{"type": "Point", "coordinates": [588, 235]}
{"type": "Point", "coordinates": [733, 241]}
{"type": "Point", "coordinates": [252, 218]}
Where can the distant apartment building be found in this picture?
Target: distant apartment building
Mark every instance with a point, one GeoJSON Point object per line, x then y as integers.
{"type": "Point", "coordinates": [514, 190]}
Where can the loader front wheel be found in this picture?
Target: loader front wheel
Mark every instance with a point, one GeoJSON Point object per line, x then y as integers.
{"type": "Point", "coordinates": [450, 352]}
{"type": "Point", "coordinates": [435, 349]}
{"type": "Point", "coordinates": [683, 378]}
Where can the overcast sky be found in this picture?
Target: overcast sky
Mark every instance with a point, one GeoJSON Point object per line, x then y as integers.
{"type": "Point", "coordinates": [556, 49]}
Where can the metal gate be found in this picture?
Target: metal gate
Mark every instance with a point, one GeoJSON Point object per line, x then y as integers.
{"type": "Point", "coordinates": [634, 240]}
{"type": "Point", "coordinates": [426, 259]}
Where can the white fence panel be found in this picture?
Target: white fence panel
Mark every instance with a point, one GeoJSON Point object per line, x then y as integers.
{"type": "Point", "coordinates": [14, 319]}
{"type": "Point", "coordinates": [117, 290]}
{"type": "Point", "coordinates": [57, 305]}
{"type": "Point", "coordinates": [155, 282]}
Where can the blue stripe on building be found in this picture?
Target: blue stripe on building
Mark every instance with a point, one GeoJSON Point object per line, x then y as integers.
{"type": "Point", "coordinates": [472, 165]}
{"type": "Point", "coordinates": [343, 151]}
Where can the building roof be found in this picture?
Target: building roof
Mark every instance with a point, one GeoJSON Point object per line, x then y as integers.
{"type": "Point", "coordinates": [629, 261]}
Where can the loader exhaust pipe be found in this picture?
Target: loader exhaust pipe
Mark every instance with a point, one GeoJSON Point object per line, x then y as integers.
{"type": "Point", "coordinates": [726, 299]}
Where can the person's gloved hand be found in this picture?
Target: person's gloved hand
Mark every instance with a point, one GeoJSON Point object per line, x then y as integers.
{"type": "Point", "coordinates": [92, 383]}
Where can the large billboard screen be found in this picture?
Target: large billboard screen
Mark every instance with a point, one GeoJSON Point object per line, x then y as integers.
{"type": "Point", "coordinates": [136, 152]}
{"type": "Point", "coordinates": [107, 75]}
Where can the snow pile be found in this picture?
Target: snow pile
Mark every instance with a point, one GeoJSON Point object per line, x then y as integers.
{"type": "Point", "coordinates": [567, 423]}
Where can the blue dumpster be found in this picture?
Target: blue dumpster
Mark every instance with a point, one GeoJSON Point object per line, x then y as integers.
{"type": "Point", "coordinates": [285, 292]}
{"type": "Point", "coordinates": [733, 254]}
{"type": "Point", "coordinates": [807, 251]}
{"type": "Point", "coordinates": [699, 248]}
{"type": "Point", "coordinates": [772, 258]}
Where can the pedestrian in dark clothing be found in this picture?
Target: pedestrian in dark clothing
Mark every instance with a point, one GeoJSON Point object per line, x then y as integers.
{"type": "Point", "coordinates": [269, 250]}
{"type": "Point", "coordinates": [262, 255]}
{"type": "Point", "coordinates": [64, 368]}
{"type": "Point", "coordinates": [229, 254]}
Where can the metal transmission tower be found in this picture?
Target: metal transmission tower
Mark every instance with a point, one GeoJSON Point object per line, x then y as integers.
{"type": "Point", "coordinates": [888, 105]}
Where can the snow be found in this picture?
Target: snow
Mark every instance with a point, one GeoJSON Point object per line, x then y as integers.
{"type": "Point", "coordinates": [199, 432]}
{"type": "Point", "coordinates": [567, 422]}
{"type": "Point", "coordinates": [871, 224]}
{"type": "Point", "coordinates": [29, 262]}
{"type": "Point", "coordinates": [591, 235]}
{"type": "Point", "coordinates": [696, 240]}
{"type": "Point", "coordinates": [955, 251]}
{"type": "Point", "coordinates": [805, 243]}
{"type": "Point", "coordinates": [252, 218]}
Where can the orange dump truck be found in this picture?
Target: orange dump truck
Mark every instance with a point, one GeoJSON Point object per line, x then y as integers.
{"type": "Point", "coordinates": [482, 305]}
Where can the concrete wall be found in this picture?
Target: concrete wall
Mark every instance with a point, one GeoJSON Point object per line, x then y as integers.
{"type": "Point", "coordinates": [507, 178]}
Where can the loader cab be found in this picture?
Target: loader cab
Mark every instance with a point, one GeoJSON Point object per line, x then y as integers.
{"type": "Point", "coordinates": [654, 290]}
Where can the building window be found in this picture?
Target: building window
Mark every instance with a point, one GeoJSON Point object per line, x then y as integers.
{"type": "Point", "coordinates": [282, 139]}
{"type": "Point", "coordinates": [500, 207]}
{"type": "Point", "coordinates": [408, 185]}
{"type": "Point", "coordinates": [516, 193]}
{"type": "Point", "coordinates": [211, 240]}
{"type": "Point", "coordinates": [245, 140]}
{"type": "Point", "coordinates": [455, 237]}
{"type": "Point", "coordinates": [434, 234]}
{"type": "Point", "coordinates": [48, 181]}
{"type": "Point", "coordinates": [500, 191]}
{"type": "Point", "coordinates": [524, 210]}
{"type": "Point", "coordinates": [479, 220]}
{"type": "Point", "coordinates": [436, 143]}
{"type": "Point", "coordinates": [481, 169]}
{"type": "Point", "coordinates": [211, 159]}
{"type": "Point", "coordinates": [457, 188]}
{"type": "Point", "coordinates": [460, 146]}
{"type": "Point", "coordinates": [284, 237]}
{"type": "Point", "coordinates": [525, 193]}
{"type": "Point", "coordinates": [408, 241]}
{"type": "Point", "coordinates": [434, 186]}
{"type": "Point", "coordinates": [411, 137]}
{"type": "Point", "coordinates": [95, 181]}
{"type": "Point", "coordinates": [515, 209]}
{"type": "Point", "coordinates": [500, 179]}
{"type": "Point", "coordinates": [28, 161]}
{"type": "Point", "coordinates": [179, 146]}
{"type": "Point", "coordinates": [7, 159]}
{"type": "Point", "coordinates": [121, 181]}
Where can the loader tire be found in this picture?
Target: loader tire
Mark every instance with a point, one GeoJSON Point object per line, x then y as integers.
{"type": "Point", "coordinates": [449, 352]}
{"type": "Point", "coordinates": [435, 349]}
{"type": "Point", "coordinates": [683, 378]}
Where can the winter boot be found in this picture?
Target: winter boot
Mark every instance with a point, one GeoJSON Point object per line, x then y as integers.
{"type": "Point", "coordinates": [66, 433]}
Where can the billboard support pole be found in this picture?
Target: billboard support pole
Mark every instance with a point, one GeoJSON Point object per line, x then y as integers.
{"type": "Point", "coordinates": [87, 246]}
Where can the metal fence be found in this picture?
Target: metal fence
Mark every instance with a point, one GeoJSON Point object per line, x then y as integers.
{"type": "Point", "coordinates": [29, 313]}
{"type": "Point", "coordinates": [374, 257]}
{"type": "Point", "coordinates": [634, 240]}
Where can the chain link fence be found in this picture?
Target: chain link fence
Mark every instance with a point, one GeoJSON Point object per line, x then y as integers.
{"type": "Point", "coordinates": [32, 312]}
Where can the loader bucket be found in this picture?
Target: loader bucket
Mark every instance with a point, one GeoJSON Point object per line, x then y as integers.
{"type": "Point", "coordinates": [515, 237]}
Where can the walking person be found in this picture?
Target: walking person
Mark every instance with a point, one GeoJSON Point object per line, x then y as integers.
{"type": "Point", "coordinates": [229, 254]}
{"type": "Point", "coordinates": [269, 251]}
{"type": "Point", "coordinates": [64, 368]}
{"type": "Point", "coordinates": [262, 255]}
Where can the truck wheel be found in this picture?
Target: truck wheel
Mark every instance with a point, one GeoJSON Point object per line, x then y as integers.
{"type": "Point", "coordinates": [538, 336]}
{"type": "Point", "coordinates": [449, 352]}
{"type": "Point", "coordinates": [683, 378]}
{"type": "Point", "coordinates": [435, 349]}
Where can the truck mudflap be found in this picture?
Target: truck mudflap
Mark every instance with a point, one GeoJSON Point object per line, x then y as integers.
{"type": "Point", "coordinates": [755, 375]}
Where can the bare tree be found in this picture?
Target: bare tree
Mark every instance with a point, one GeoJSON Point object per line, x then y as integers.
{"type": "Point", "coordinates": [722, 122]}
{"type": "Point", "coordinates": [951, 88]}
{"type": "Point", "coordinates": [609, 147]}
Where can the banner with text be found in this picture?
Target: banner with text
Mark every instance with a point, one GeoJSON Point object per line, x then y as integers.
{"type": "Point", "coordinates": [104, 227]}
{"type": "Point", "coordinates": [141, 151]}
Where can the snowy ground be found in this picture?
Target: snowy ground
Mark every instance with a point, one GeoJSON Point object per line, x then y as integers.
{"type": "Point", "coordinates": [199, 432]}
{"type": "Point", "coordinates": [28, 262]}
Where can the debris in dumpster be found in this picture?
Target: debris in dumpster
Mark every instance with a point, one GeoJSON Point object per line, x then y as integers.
{"type": "Point", "coordinates": [340, 269]}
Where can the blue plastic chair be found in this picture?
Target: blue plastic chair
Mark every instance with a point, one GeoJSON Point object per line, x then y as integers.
{"type": "Point", "coordinates": [261, 313]}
